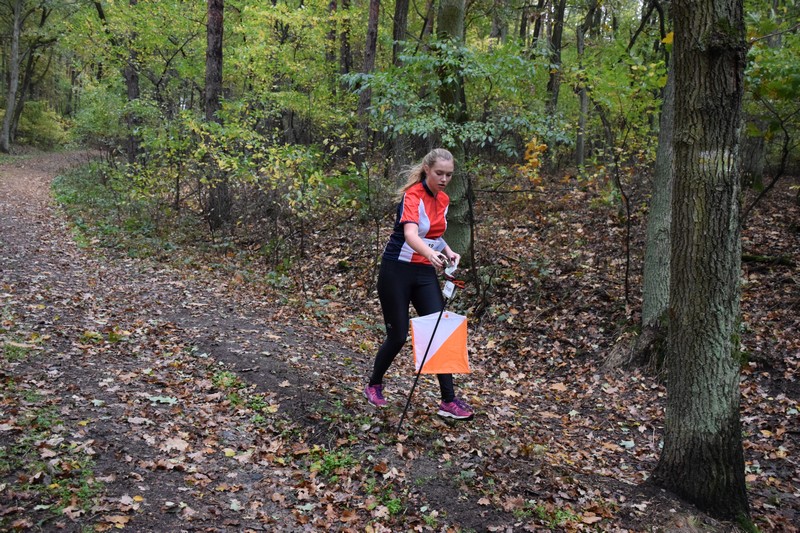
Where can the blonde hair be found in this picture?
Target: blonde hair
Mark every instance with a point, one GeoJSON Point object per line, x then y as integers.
{"type": "Point", "coordinates": [416, 173]}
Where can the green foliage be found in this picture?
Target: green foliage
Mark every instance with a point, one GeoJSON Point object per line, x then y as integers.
{"type": "Point", "coordinates": [626, 87]}
{"type": "Point", "coordinates": [66, 478]}
{"type": "Point", "coordinates": [772, 97]}
{"type": "Point", "coordinates": [98, 122]}
{"type": "Point", "coordinates": [498, 82]}
{"type": "Point", "coordinates": [42, 127]}
{"type": "Point", "coordinates": [15, 351]}
{"type": "Point", "coordinates": [226, 380]}
{"type": "Point", "coordinates": [331, 463]}
{"type": "Point", "coordinates": [107, 210]}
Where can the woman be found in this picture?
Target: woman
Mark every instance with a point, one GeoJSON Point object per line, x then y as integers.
{"type": "Point", "coordinates": [408, 274]}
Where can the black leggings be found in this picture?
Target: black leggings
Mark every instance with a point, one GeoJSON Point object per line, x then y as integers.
{"type": "Point", "coordinates": [399, 284]}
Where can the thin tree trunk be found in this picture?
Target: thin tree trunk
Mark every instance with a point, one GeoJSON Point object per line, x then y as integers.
{"type": "Point", "coordinates": [365, 97]}
{"type": "Point", "coordinates": [330, 45]}
{"type": "Point", "coordinates": [583, 99]}
{"type": "Point", "coordinates": [655, 275]}
{"type": "Point", "coordinates": [537, 25]}
{"type": "Point", "coordinates": [345, 51]}
{"type": "Point", "coordinates": [554, 83]}
{"type": "Point", "coordinates": [24, 90]}
{"type": "Point", "coordinates": [499, 29]}
{"type": "Point", "coordinates": [427, 26]}
{"type": "Point", "coordinates": [31, 58]}
{"type": "Point", "coordinates": [399, 29]}
{"type": "Point", "coordinates": [370, 51]}
{"type": "Point", "coordinates": [583, 95]}
{"type": "Point", "coordinates": [702, 458]}
{"type": "Point", "coordinates": [131, 75]}
{"type": "Point", "coordinates": [219, 206]}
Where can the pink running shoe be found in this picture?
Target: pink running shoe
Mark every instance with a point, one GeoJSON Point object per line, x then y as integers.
{"type": "Point", "coordinates": [374, 394]}
{"type": "Point", "coordinates": [457, 409]}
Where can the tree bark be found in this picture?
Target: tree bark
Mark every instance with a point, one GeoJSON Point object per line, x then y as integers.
{"type": "Point", "coordinates": [656, 275]}
{"type": "Point", "coordinates": [399, 29]}
{"type": "Point", "coordinates": [583, 102]}
{"type": "Point", "coordinates": [219, 204]}
{"type": "Point", "coordinates": [131, 75]}
{"type": "Point", "coordinates": [345, 50]}
{"type": "Point", "coordinates": [6, 136]}
{"type": "Point", "coordinates": [554, 83]}
{"type": "Point", "coordinates": [427, 24]}
{"type": "Point", "coordinates": [370, 51]}
{"type": "Point", "coordinates": [537, 25]}
{"type": "Point", "coordinates": [583, 95]}
{"type": "Point", "coordinates": [499, 29]}
{"type": "Point", "coordinates": [453, 98]}
{"type": "Point", "coordinates": [702, 459]}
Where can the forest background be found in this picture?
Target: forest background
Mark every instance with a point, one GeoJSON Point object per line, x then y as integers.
{"type": "Point", "coordinates": [265, 142]}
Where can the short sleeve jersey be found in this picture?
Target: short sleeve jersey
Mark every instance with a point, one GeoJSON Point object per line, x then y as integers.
{"type": "Point", "coordinates": [419, 206]}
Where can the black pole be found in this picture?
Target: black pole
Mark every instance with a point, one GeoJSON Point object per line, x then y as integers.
{"type": "Point", "coordinates": [424, 358]}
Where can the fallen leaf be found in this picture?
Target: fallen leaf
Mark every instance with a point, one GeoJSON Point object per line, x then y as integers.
{"type": "Point", "coordinates": [118, 521]}
{"type": "Point", "coordinates": [175, 443]}
{"type": "Point", "coordinates": [590, 518]}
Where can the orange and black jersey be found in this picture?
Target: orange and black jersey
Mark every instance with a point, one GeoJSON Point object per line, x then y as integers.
{"type": "Point", "coordinates": [419, 206]}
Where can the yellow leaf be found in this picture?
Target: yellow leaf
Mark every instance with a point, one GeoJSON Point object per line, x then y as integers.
{"type": "Point", "coordinates": [229, 452]}
{"type": "Point", "coordinates": [138, 498]}
{"type": "Point", "coordinates": [669, 38]}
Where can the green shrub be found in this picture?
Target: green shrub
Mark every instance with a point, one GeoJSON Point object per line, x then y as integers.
{"type": "Point", "coordinates": [42, 127]}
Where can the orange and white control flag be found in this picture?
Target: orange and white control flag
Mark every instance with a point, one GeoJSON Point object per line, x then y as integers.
{"type": "Point", "coordinates": [448, 351]}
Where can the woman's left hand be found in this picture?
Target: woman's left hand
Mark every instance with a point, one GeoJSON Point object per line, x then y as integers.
{"type": "Point", "coordinates": [454, 258]}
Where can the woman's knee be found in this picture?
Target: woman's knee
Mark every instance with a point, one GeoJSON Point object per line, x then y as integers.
{"type": "Point", "coordinates": [394, 343]}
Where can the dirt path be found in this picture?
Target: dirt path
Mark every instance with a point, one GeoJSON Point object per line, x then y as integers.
{"type": "Point", "coordinates": [120, 353]}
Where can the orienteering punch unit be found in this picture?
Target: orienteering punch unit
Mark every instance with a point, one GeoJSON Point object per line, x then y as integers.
{"type": "Point", "coordinates": [447, 292]}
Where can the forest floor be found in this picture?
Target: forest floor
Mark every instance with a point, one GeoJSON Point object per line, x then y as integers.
{"type": "Point", "coordinates": [170, 394]}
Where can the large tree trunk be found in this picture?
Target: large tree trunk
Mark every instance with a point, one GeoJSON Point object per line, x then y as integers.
{"type": "Point", "coordinates": [219, 202]}
{"type": "Point", "coordinates": [451, 93]}
{"type": "Point", "coordinates": [702, 458]}
{"type": "Point", "coordinates": [6, 135]}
